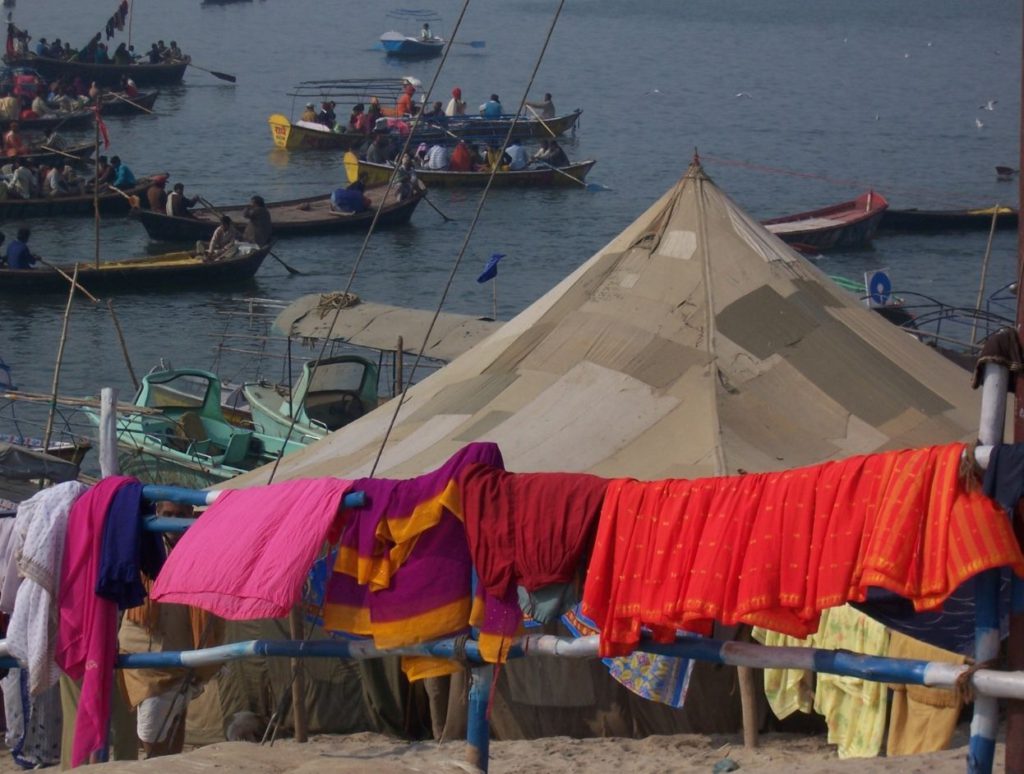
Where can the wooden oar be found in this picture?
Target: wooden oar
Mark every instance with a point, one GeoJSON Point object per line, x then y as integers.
{"type": "Point", "coordinates": [435, 208]}
{"type": "Point", "coordinates": [69, 278]}
{"type": "Point", "coordinates": [471, 43]}
{"type": "Point", "coordinates": [542, 122]}
{"type": "Point", "coordinates": [133, 200]}
{"type": "Point", "coordinates": [215, 73]}
{"type": "Point", "coordinates": [588, 186]}
{"type": "Point", "coordinates": [60, 152]}
{"type": "Point", "coordinates": [135, 105]}
{"type": "Point", "coordinates": [271, 253]}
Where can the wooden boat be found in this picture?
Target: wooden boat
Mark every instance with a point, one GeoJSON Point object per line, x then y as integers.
{"type": "Point", "coordinates": [22, 468]}
{"type": "Point", "coordinates": [64, 119]}
{"type": "Point", "coordinates": [540, 177]}
{"type": "Point", "coordinates": [400, 46]}
{"type": "Point", "coordinates": [143, 73]}
{"type": "Point", "coordinates": [341, 390]}
{"type": "Point", "coordinates": [39, 155]}
{"type": "Point", "coordinates": [306, 135]}
{"type": "Point", "coordinates": [849, 224]}
{"type": "Point", "coordinates": [117, 103]}
{"type": "Point", "coordinates": [295, 217]}
{"type": "Point", "coordinates": [170, 271]}
{"type": "Point", "coordinates": [181, 434]}
{"type": "Point", "coordinates": [932, 221]}
{"type": "Point", "coordinates": [109, 202]}
{"type": "Point", "coordinates": [303, 135]}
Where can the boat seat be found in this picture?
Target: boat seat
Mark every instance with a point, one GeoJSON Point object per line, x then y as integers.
{"type": "Point", "coordinates": [238, 448]}
{"type": "Point", "coordinates": [334, 408]}
{"type": "Point", "coordinates": [194, 432]}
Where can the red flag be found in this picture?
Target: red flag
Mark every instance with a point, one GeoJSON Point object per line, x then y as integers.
{"type": "Point", "coordinates": [102, 126]}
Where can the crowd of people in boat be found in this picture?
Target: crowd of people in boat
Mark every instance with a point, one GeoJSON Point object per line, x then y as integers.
{"type": "Point", "coordinates": [23, 179]}
{"type": "Point", "coordinates": [367, 118]}
{"type": "Point", "coordinates": [26, 97]}
{"type": "Point", "coordinates": [95, 51]}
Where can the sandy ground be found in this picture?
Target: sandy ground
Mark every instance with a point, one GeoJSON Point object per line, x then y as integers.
{"type": "Point", "coordinates": [778, 754]}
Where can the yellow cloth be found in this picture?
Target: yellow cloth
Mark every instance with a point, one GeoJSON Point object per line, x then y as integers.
{"type": "Point", "coordinates": [854, 709]}
{"type": "Point", "coordinates": [921, 720]}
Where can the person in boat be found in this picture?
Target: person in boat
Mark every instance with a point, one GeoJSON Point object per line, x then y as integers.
{"type": "Point", "coordinates": [56, 49]}
{"type": "Point", "coordinates": [377, 153]}
{"type": "Point", "coordinates": [405, 178]}
{"type": "Point", "coordinates": [102, 57]}
{"type": "Point", "coordinates": [373, 112]}
{"type": "Point", "coordinates": [178, 204]}
{"type": "Point", "coordinates": [496, 159]}
{"type": "Point", "coordinates": [425, 33]}
{"type": "Point", "coordinates": [121, 55]}
{"type": "Point", "coordinates": [14, 144]}
{"type": "Point", "coordinates": [419, 156]}
{"type": "Point", "coordinates": [437, 116]}
{"type": "Point", "coordinates": [437, 157]}
{"type": "Point", "coordinates": [123, 177]}
{"type": "Point", "coordinates": [155, 57]}
{"type": "Point", "coordinates": [128, 87]}
{"type": "Point", "coordinates": [9, 105]}
{"type": "Point", "coordinates": [94, 92]}
{"type": "Point", "coordinates": [309, 114]}
{"type": "Point", "coordinates": [545, 108]}
{"type": "Point", "coordinates": [357, 120]}
{"type": "Point", "coordinates": [462, 159]}
{"type": "Point", "coordinates": [62, 181]}
{"type": "Point", "coordinates": [404, 106]}
{"type": "Point", "coordinates": [518, 158]}
{"type": "Point", "coordinates": [492, 108]}
{"type": "Point", "coordinates": [68, 53]}
{"type": "Point", "coordinates": [259, 227]}
{"type": "Point", "coordinates": [174, 54]}
{"type": "Point", "coordinates": [42, 48]}
{"type": "Point", "coordinates": [326, 115]}
{"type": "Point", "coordinates": [162, 48]}
{"type": "Point", "coordinates": [18, 254]}
{"type": "Point", "coordinates": [556, 156]}
{"type": "Point", "coordinates": [222, 243]}
{"type": "Point", "coordinates": [104, 172]}
{"type": "Point", "coordinates": [40, 107]}
{"type": "Point", "coordinates": [156, 194]}
{"type": "Point", "coordinates": [456, 105]}
{"type": "Point", "coordinates": [351, 199]}
{"type": "Point", "coordinates": [27, 113]}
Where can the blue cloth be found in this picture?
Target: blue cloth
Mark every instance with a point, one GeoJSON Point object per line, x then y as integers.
{"type": "Point", "coordinates": [18, 255]}
{"type": "Point", "coordinates": [127, 550]}
{"type": "Point", "coordinates": [519, 158]}
{"type": "Point", "coordinates": [347, 200]}
{"type": "Point", "coordinates": [124, 177]}
{"type": "Point", "coordinates": [491, 269]}
{"type": "Point", "coordinates": [1004, 476]}
{"type": "Point", "coordinates": [491, 109]}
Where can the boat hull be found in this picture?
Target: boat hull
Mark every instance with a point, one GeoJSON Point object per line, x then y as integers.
{"type": "Point", "coordinates": [571, 176]}
{"type": "Point", "coordinates": [159, 273]}
{"type": "Point", "coordinates": [936, 221]}
{"type": "Point", "coordinates": [271, 422]}
{"type": "Point", "coordinates": [109, 202]}
{"type": "Point", "coordinates": [289, 136]}
{"type": "Point", "coordinates": [296, 217]}
{"type": "Point", "coordinates": [840, 226]}
{"type": "Point", "coordinates": [143, 101]}
{"type": "Point", "coordinates": [164, 74]}
{"type": "Point", "coordinates": [403, 47]}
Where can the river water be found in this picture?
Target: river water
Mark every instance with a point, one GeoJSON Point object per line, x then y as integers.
{"type": "Point", "coordinates": [842, 97]}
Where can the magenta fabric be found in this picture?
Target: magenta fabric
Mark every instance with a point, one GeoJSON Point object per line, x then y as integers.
{"type": "Point", "coordinates": [87, 632]}
{"type": "Point", "coordinates": [247, 556]}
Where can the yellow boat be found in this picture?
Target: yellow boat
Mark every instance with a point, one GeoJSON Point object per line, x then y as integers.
{"type": "Point", "coordinates": [305, 135]}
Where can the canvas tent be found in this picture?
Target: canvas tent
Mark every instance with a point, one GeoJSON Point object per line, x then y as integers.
{"type": "Point", "coordinates": [705, 346]}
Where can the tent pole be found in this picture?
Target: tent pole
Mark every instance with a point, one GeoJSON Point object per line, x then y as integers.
{"type": "Point", "coordinates": [985, 723]}
{"type": "Point", "coordinates": [1014, 756]}
{"type": "Point", "coordinates": [298, 679]}
{"type": "Point", "coordinates": [478, 733]}
{"type": "Point", "coordinates": [108, 433]}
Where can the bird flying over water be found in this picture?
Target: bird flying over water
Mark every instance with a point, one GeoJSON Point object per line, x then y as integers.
{"type": "Point", "coordinates": [978, 123]}
{"type": "Point", "coordinates": [743, 94]}
{"type": "Point", "coordinates": [990, 105]}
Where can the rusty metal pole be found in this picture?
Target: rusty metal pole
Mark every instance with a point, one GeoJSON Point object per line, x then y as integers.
{"type": "Point", "coordinates": [1014, 759]}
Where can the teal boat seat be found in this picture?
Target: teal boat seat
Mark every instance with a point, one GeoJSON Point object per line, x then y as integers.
{"type": "Point", "coordinates": [238, 448]}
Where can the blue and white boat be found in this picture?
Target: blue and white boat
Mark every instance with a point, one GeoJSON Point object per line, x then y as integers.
{"type": "Point", "coordinates": [423, 45]}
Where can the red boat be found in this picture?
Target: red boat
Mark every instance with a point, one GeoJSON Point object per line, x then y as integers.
{"type": "Point", "coordinates": [849, 224]}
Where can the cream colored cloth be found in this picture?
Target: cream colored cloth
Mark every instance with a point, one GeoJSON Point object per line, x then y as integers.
{"type": "Point", "coordinates": [922, 720]}
{"type": "Point", "coordinates": [854, 709]}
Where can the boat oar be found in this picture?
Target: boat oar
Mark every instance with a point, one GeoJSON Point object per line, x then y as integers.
{"type": "Point", "coordinates": [436, 209]}
{"type": "Point", "coordinates": [60, 152]}
{"type": "Point", "coordinates": [133, 200]}
{"type": "Point", "coordinates": [471, 43]}
{"type": "Point", "coordinates": [223, 76]}
{"type": "Point", "coordinates": [542, 122]}
{"type": "Point", "coordinates": [271, 253]}
{"type": "Point", "coordinates": [69, 278]}
{"type": "Point", "coordinates": [135, 105]}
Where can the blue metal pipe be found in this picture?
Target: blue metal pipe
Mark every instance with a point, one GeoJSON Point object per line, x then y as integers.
{"type": "Point", "coordinates": [981, 749]}
{"type": "Point", "coordinates": [478, 731]}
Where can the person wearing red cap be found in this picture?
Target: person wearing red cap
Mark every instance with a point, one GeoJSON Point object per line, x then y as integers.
{"type": "Point", "coordinates": [456, 105]}
{"type": "Point", "coordinates": [404, 105]}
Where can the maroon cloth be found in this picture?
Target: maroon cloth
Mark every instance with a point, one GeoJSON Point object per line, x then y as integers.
{"type": "Point", "coordinates": [528, 529]}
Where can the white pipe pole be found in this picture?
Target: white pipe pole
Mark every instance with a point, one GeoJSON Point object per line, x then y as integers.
{"type": "Point", "coordinates": [109, 465]}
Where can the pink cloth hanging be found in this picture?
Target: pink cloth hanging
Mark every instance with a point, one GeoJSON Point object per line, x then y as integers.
{"type": "Point", "coordinates": [87, 634]}
{"type": "Point", "coordinates": [248, 555]}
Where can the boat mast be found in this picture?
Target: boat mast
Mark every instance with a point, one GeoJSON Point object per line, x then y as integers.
{"type": "Point", "coordinates": [1014, 758]}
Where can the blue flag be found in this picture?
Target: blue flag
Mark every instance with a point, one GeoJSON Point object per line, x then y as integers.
{"type": "Point", "coordinates": [491, 269]}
